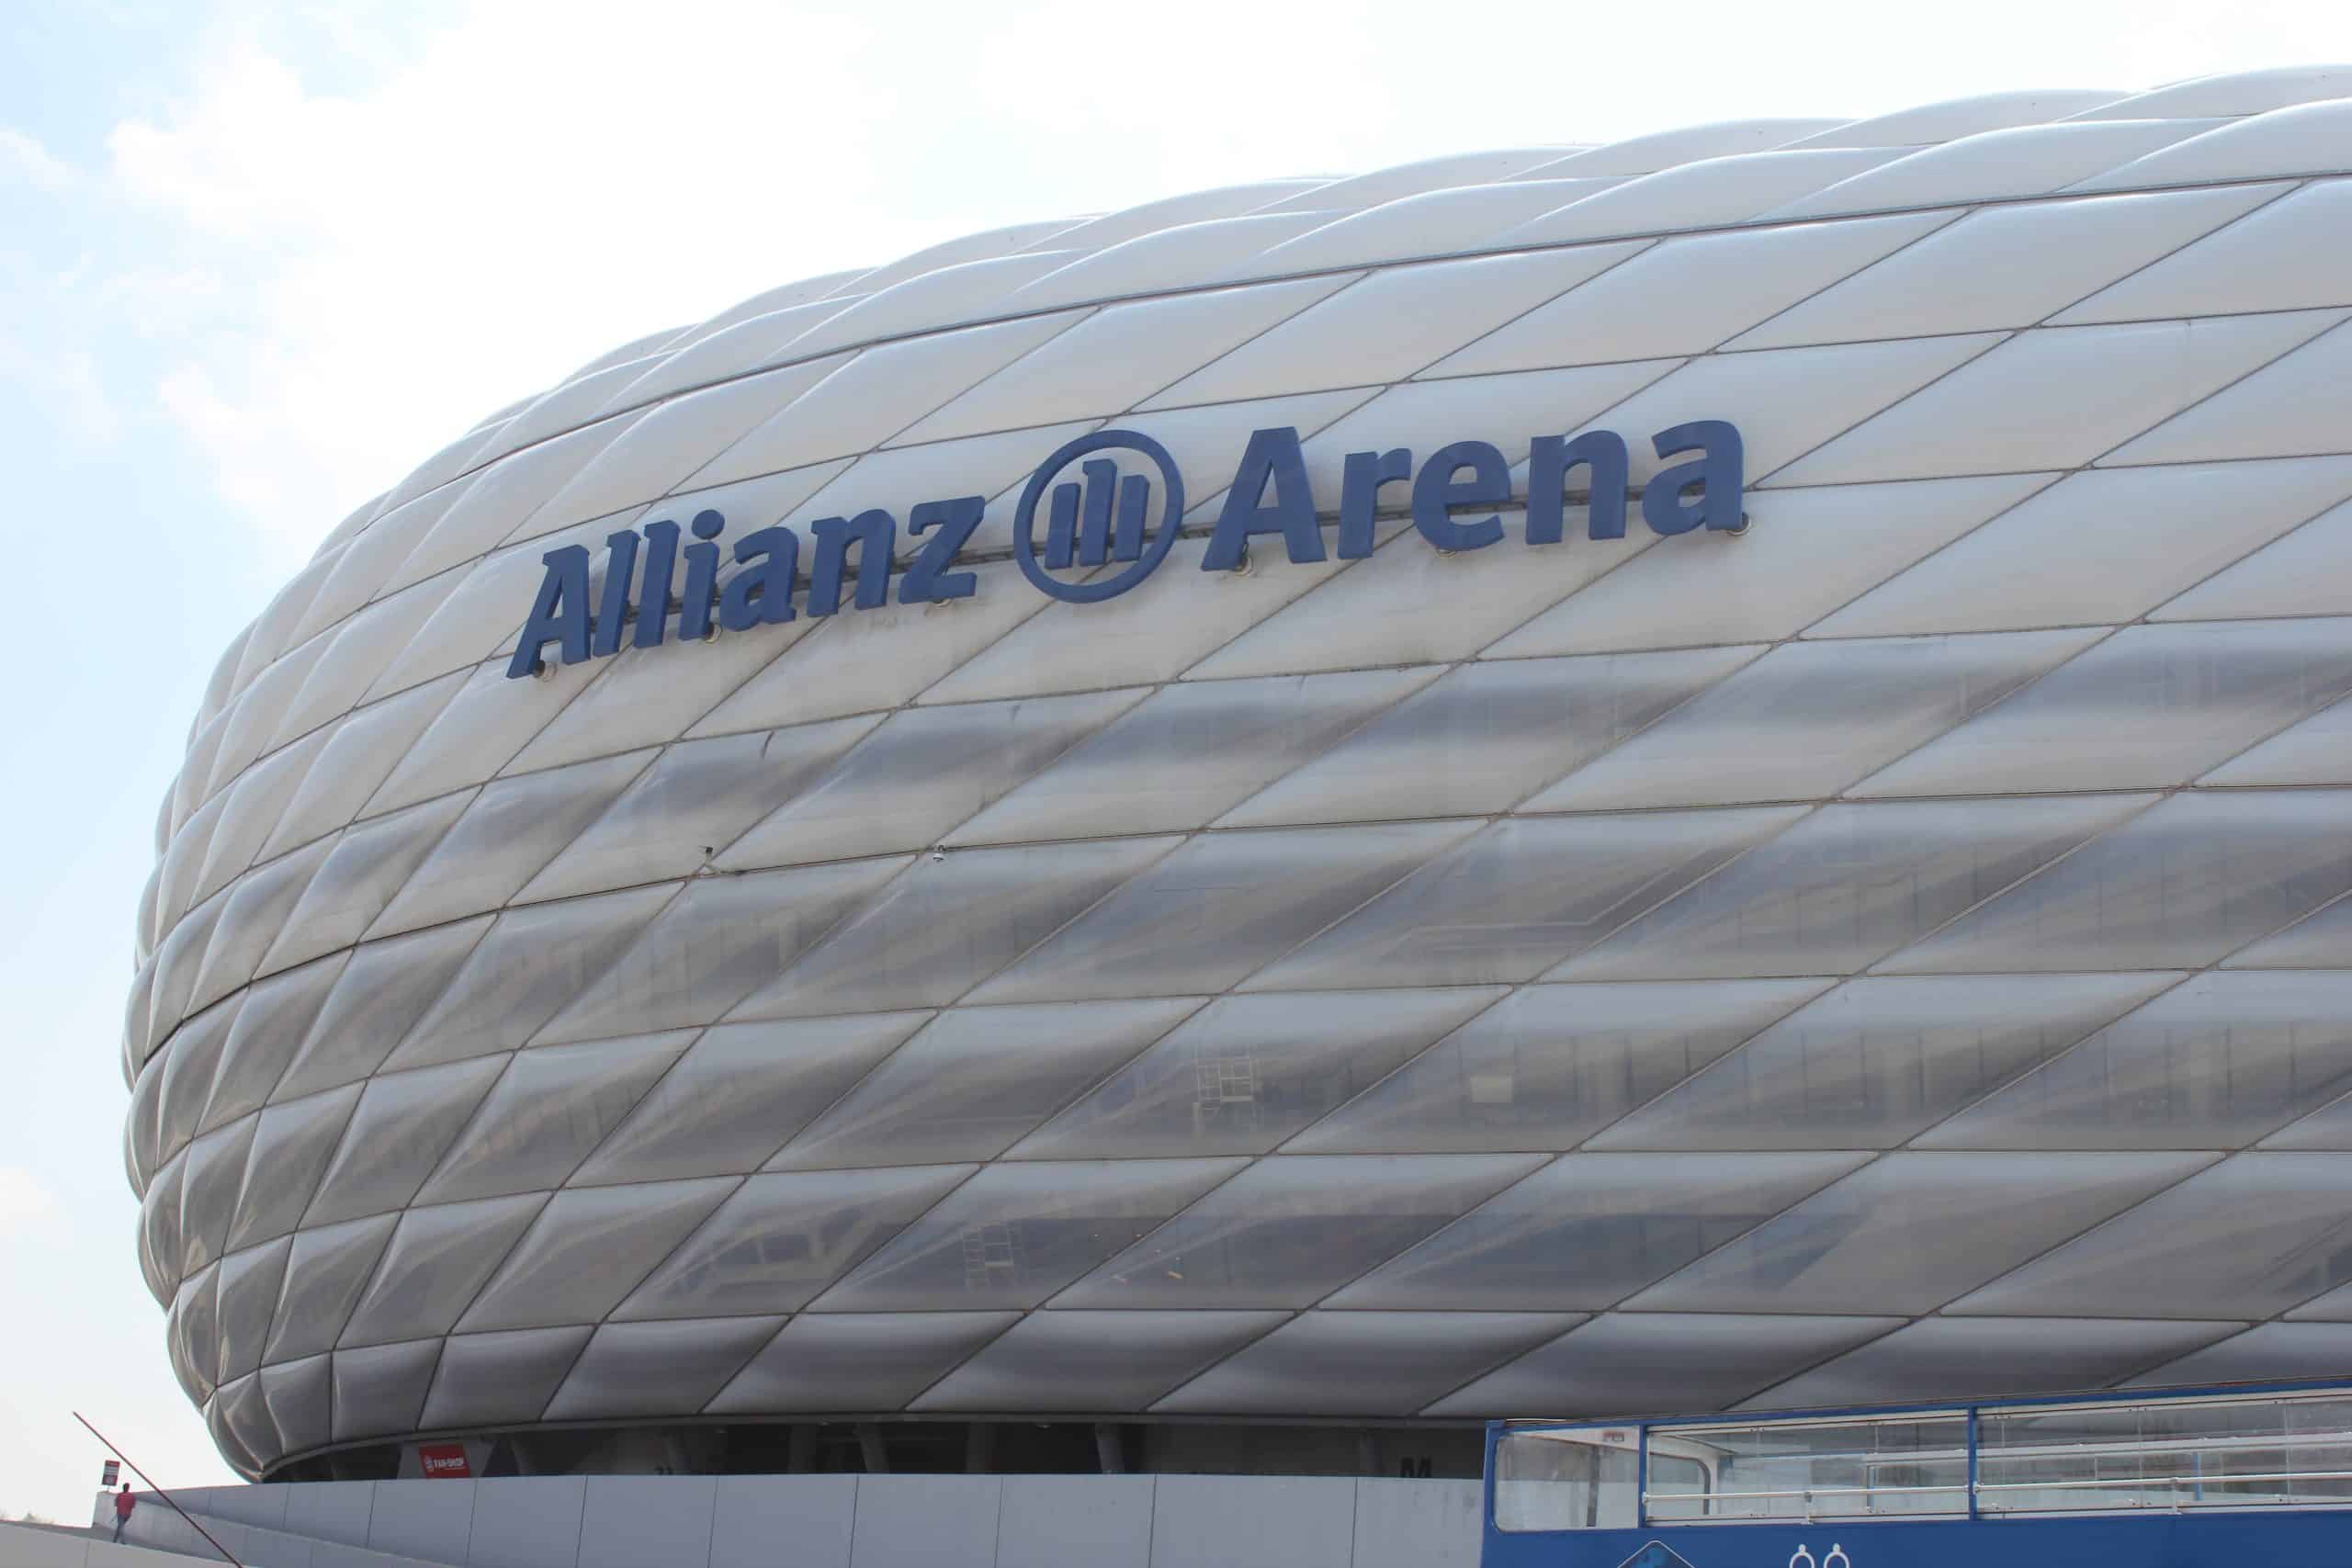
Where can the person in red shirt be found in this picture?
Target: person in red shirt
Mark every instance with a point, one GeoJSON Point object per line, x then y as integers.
{"type": "Point", "coordinates": [123, 1503]}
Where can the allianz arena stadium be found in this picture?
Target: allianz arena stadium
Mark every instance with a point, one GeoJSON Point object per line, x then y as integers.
{"type": "Point", "coordinates": [1234, 836]}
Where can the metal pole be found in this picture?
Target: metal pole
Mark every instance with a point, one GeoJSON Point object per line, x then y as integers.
{"type": "Point", "coordinates": [157, 1490]}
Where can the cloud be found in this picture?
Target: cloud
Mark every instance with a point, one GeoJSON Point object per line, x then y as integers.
{"type": "Point", "coordinates": [24, 1202]}
{"type": "Point", "coordinates": [27, 160]}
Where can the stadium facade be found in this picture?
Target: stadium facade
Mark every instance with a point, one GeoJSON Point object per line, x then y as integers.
{"type": "Point", "coordinates": [1233, 836]}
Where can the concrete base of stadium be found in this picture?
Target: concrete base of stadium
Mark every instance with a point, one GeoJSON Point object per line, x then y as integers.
{"type": "Point", "coordinates": [832, 1521]}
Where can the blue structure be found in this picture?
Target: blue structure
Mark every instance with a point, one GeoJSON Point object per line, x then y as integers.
{"type": "Point", "coordinates": [2182, 1479]}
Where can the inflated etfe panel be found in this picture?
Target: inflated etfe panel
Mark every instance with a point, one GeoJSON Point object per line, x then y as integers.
{"type": "Point", "coordinates": [1409, 967]}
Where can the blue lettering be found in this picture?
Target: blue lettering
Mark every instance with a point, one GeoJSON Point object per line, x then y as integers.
{"type": "Point", "coordinates": [1271, 455]}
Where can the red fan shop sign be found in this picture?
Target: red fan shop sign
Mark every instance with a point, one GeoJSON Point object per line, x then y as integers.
{"type": "Point", "coordinates": [444, 1461]}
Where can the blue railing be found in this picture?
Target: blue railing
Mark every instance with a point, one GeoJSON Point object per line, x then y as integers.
{"type": "Point", "coordinates": [2236, 1475]}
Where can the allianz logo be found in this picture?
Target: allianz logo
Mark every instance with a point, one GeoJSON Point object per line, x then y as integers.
{"type": "Point", "coordinates": [1123, 515]}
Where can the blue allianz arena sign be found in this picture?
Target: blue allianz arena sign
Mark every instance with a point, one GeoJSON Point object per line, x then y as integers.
{"type": "Point", "coordinates": [1099, 519]}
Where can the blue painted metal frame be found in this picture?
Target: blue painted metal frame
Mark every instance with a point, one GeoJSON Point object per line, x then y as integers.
{"type": "Point", "coordinates": [2256, 1537]}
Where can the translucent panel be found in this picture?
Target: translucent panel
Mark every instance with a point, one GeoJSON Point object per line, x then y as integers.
{"type": "Point", "coordinates": [1391, 324]}
{"type": "Point", "coordinates": [1821, 547]}
{"type": "Point", "coordinates": [648, 696]}
{"type": "Point", "coordinates": [692, 804]}
{"type": "Point", "coordinates": [1288, 1232]}
{"type": "Point", "coordinates": [192, 1340]}
{"type": "Point", "coordinates": [2107, 547]}
{"type": "Point", "coordinates": [361, 649]}
{"type": "Point", "coordinates": [491, 717]}
{"type": "Point", "coordinates": [924, 301]}
{"type": "Point", "coordinates": [1427, 223]}
{"type": "Point", "coordinates": [973, 1081]}
{"type": "Point", "coordinates": [139, 1124]}
{"type": "Point", "coordinates": [1809, 718]}
{"type": "Point", "coordinates": [2216, 1063]}
{"type": "Point", "coordinates": [2267, 414]}
{"type": "Point", "coordinates": [1247, 1072]}
{"type": "Point", "coordinates": [324, 1275]}
{"type": "Point", "coordinates": [876, 395]}
{"type": "Point", "coordinates": [1014, 1235]}
{"type": "Point", "coordinates": [1964, 277]}
{"type": "Point", "coordinates": [2272, 1351]}
{"type": "Point", "coordinates": [257, 911]}
{"type": "Point", "coordinates": [587, 1249]}
{"type": "Point", "coordinates": [1485, 736]}
{"type": "Point", "coordinates": [2323, 941]}
{"type": "Point", "coordinates": [670, 441]}
{"type": "Point", "coordinates": [159, 1230]}
{"type": "Point", "coordinates": [372, 1004]}
{"type": "Point", "coordinates": [784, 1237]}
{"type": "Point", "coordinates": [1118, 356]}
{"type": "Point", "coordinates": [1171, 258]}
{"type": "Point", "coordinates": [177, 962]}
{"type": "Point", "coordinates": [923, 772]}
{"type": "Point", "coordinates": [991, 467]}
{"type": "Point", "coordinates": [2312, 751]}
{"type": "Point", "coordinates": [249, 1288]}
{"type": "Point", "coordinates": [404, 1125]}
{"type": "Point", "coordinates": [1407, 604]}
{"type": "Point", "coordinates": [857, 1360]}
{"type": "Point", "coordinates": [1094, 1360]}
{"type": "Point", "coordinates": [240, 1428]}
{"type": "Point", "coordinates": [1850, 884]}
{"type": "Point", "coordinates": [1362, 1363]}
{"type": "Point", "coordinates": [252, 811]}
{"type": "Point", "coordinates": [292, 1143]}
{"type": "Point", "coordinates": [2056, 398]}
{"type": "Point", "coordinates": [1216, 909]}
{"type": "Point", "coordinates": [512, 829]}
{"type": "Point", "coordinates": [1519, 897]}
{"type": "Point", "coordinates": [657, 1369]}
{"type": "Point", "coordinates": [488, 1380]}
{"type": "Point", "coordinates": [357, 755]}
{"type": "Point", "coordinates": [1877, 1061]}
{"type": "Point", "coordinates": [437, 1260]}
{"type": "Point", "coordinates": [1944, 1358]}
{"type": "Point", "coordinates": [2271, 260]}
{"type": "Point", "coordinates": [381, 1390]}
{"type": "Point", "coordinates": [271, 1026]}
{"type": "Point", "coordinates": [917, 943]}
{"type": "Point", "coordinates": [552, 1108]}
{"type": "Point", "coordinates": [2025, 160]}
{"type": "Point", "coordinates": [532, 962]}
{"type": "Point", "coordinates": [1549, 1065]}
{"type": "Point", "coordinates": [1616, 1365]}
{"type": "Point", "coordinates": [1175, 620]}
{"type": "Point", "coordinates": [366, 868]}
{"type": "Point", "coordinates": [2253, 1236]}
{"type": "Point", "coordinates": [1717, 285]}
{"type": "Point", "coordinates": [720, 940]}
{"type": "Point", "coordinates": [740, 1093]}
{"type": "Point", "coordinates": [501, 497]}
{"type": "Point", "coordinates": [296, 1396]}
{"type": "Point", "coordinates": [873, 660]}
{"type": "Point", "coordinates": [2234, 92]}
{"type": "Point", "coordinates": [2150, 705]}
{"type": "Point", "coordinates": [1843, 383]}
{"type": "Point", "coordinates": [2183, 884]}
{"type": "Point", "coordinates": [215, 1170]}
{"type": "Point", "coordinates": [1188, 752]}
{"type": "Point", "coordinates": [1909, 1232]}
{"type": "Point", "coordinates": [1663, 149]}
{"type": "Point", "coordinates": [2330, 1126]}
{"type": "Point", "coordinates": [2308, 573]}
{"type": "Point", "coordinates": [186, 1071]}
{"type": "Point", "coordinates": [1589, 1230]}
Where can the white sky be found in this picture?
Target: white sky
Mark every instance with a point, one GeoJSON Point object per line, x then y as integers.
{"type": "Point", "coordinates": [255, 263]}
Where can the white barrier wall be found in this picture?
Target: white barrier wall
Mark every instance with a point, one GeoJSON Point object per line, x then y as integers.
{"type": "Point", "coordinates": [838, 1521]}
